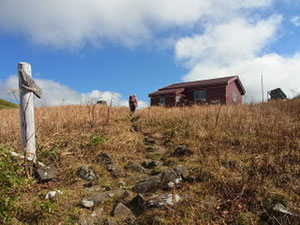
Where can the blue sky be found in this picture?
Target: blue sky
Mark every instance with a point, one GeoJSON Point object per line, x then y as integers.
{"type": "Point", "coordinates": [100, 49]}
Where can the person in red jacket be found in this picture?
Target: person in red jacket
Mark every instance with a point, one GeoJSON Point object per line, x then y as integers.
{"type": "Point", "coordinates": [133, 103]}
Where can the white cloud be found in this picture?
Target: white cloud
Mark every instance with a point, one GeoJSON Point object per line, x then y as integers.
{"type": "Point", "coordinates": [296, 21]}
{"type": "Point", "coordinates": [236, 48]}
{"type": "Point", "coordinates": [226, 43]}
{"type": "Point", "coordinates": [55, 93]}
{"type": "Point", "coordinates": [69, 23]}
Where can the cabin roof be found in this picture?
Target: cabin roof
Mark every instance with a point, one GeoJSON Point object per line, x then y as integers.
{"type": "Point", "coordinates": [180, 87]}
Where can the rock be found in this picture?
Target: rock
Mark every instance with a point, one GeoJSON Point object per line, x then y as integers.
{"type": "Point", "coordinates": [191, 179]}
{"type": "Point", "coordinates": [46, 174]}
{"type": "Point", "coordinates": [169, 178]}
{"type": "Point", "coordinates": [278, 207]}
{"type": "Point", "coordinates": [117, 173]}
{"type": "Point", "coordinates": [201, 175]}
{"type": "Point", "coordinates": [144, 186]}
{"type": "Point", "coordinates": [135, 167]}
{"type": "Point", "coordinates": [157, 221]}
{"type": "Point", "coordinates": [109, 221]}
{"type": "Point", "coordinates": [279, 214]}
{"type": "Point", "coordinates": [157, 201]}
{"type": "Point", "coordinates": [121, 184]}
{"type": "Point", "coordinates": [134, 128]}
{"type": "Point", "coordinates": [182, 171]}
{"type": "Point", "coordinates": [87, 203]}
{"type": "Point", "coordinates": [229, 164]}
{"type": "Point", "coordinates": [53, 194]}
{"type": "Point", "coordinates": [182, 151]}
{"type": "Point", "coordinates": [138, 201]}
{"type": "Point", "coordinates": [92, 218]}
{"type": "Point", "coordinates": [125, 195]}
{"type": "Point", "coordinates": [86, 173]}
{"type": "Point", "coordinates": [94, 188]}
{"type": "Point", "coordinates": [150, 164]}
{"type": "Point", "coordinates": [105, 158]}
{"type": "Point", "coordinates": [110, 165]}
{"type": "Point", "coordinates": [122, 211]}
{"type": "Point", "coordinates": [97, 199]}
{"type": "Point", "coordinates": [149, 141]}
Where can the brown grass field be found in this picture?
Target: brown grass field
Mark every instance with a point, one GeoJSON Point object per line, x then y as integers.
{"type": "Point", "coordinates": [247, 158]}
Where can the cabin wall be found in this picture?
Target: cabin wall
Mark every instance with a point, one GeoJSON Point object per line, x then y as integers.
{"type": "Point", "coordinates": [232, 89]}
{"type": "Point", "coordinates": [212, 93]}
{"type": "Point", "coordinates": [169, 100]}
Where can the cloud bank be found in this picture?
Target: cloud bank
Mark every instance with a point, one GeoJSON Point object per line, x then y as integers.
{"type": "Point", "coordinates": [55, 94]}
{"type": "Point", "coordinates": [71, 24]}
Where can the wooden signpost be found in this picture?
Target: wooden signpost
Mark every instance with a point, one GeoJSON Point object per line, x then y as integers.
{"type": "Point", "coordinates": [28, 88]}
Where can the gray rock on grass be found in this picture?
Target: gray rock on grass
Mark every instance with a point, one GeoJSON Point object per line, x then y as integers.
{"type": "Point", "coordinates": [181, 151]}
{"type": "Point", "coordinates": [163, 200]}
{"type": "Point", "coordinates": [98, 199]}
{"type": "Point", "coordinates": [135, 167]}
{"type": "Point", "coordinates": [46, 174]}
{"type": "Point", "coordinates": [121, 211]}
{"type": "Point", "coordinates": [168, 179]}
{"type": "Point", "coordinates": [92, 218]}
{"type": "Point", "coordinates": [86, 173]}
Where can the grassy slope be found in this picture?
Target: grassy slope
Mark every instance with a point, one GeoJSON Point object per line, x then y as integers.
{"type": "Point", "coordinates": [7, 105]}
{"type": "Point", "coordinates": [246, 158]}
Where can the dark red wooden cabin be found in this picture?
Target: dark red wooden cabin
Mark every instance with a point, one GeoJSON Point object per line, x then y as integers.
{"type": "Point", "coordinates": [225, 90]}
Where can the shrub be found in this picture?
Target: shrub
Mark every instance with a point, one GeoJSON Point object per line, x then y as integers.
{"type": "Point", "coordinates": [10, 183]}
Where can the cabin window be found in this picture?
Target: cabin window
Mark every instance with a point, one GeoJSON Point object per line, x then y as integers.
{"type": "Point", "coordinates": [162, 100]}
{"type": "Point", "coordinates": [234, 97]}
{"type": "Point", "coordinates": [200, 95]}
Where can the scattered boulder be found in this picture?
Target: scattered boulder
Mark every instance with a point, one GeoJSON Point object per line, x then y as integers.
{"type": "Point", "coordinates": [135, 167]}
{"type": "Point", "coordinates": [117, 173]}
{"type": "Point", "coordinates": [86, 173]}
{"type": "Point", "coordinates": [87, 203]}
{"type": "Point", "coordinates": [98, 199]}
{"type": "Point", "coordinates": [229, 164]}
{"type": "Point", "coordinates": [150, 164]}
{"type": "Point", "coordinates": [94, 188]}
{"type": "Point", "coordinates": [108, 221]}
{"type": "Point", "coordinates": [149, 141]}
{"type": "Point", "coordinates": [278, 207]}
{"type": "Point", "coordinates": [121, 184]}
{"type": "Point", "coordinates": [105, 158]}
{"type": "Point", "coordinates": [125, 195]}
{"type": "Point", "coordinates": [92, 218]}
{"type": "Point", "coordinates": [138, 201]}
{"type": "Point", "coordinates": [280, 214]}
{"type": "Point", "coordinates": [144, 186]}
{"type": "Point", "coordinates": [182, 151]}
{"type": "Point", "coordinates": [199, 175]}
{"type": "Point", "coordinates": [182, 171]}
{"type": "Point", "coordinates": [121, 211]}
{"type": "Point", "coordinates": [134, 128]}
{"type": "Point", "coordinates": [53, 194]}
{"type": "Point", "coordinates": [169, 178]}
{"type": "Point", "coordinates": [162, 200]}
{"type": "Point", "coordinates": [157, 220]}
{"type": "Point", "coordinates": [110, 165]}
{"type": "Point", "coordinates": [46, 174]}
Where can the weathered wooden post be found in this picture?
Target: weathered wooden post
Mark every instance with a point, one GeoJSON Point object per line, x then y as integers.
{"type": "Point", "coordinates": [27, 88]}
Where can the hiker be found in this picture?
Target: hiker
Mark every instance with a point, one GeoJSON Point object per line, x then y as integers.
{"type": "Point", "coordinates": [133, 103]}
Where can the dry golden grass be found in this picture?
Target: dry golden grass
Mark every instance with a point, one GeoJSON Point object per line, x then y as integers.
{"type": "Point", "coordinates": [246, 156]}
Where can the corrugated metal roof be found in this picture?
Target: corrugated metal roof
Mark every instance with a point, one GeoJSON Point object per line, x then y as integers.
{"type": "Point", "coordinates": [172, 91]}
